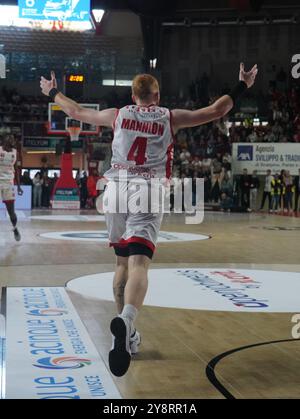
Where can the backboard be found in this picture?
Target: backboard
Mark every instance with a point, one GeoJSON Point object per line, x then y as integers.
{"type": "Point", "coordinates": [58, 120]}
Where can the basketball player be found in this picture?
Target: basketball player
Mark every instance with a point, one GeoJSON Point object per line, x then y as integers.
{"type": "Point", "coordinates": [8, 173]}
{"type": "Point", "coordinates": [143, 147]}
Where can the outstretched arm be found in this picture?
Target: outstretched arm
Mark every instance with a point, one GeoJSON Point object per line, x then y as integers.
{"type": "Point", "coordinates": [103, 118]}
{"type": "Point", "coordinates": [182, 118]}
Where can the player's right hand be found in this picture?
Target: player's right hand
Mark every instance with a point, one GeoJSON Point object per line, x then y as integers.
{"type": "Point", "coordinates": [47, 85]}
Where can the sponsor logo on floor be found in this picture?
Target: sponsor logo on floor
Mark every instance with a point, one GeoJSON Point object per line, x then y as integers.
{"type": "Point", "coordinates": [102, 236]}
{"type": "Point", "coordinates": [49, 354]}
{"type": "Point", "coordinates": [239, 290]}
{"type": "Point", "coordinates": [2, 353]}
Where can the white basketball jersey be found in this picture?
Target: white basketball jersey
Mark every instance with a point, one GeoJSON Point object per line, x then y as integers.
{"type": "Point", "coordinates": [143, 143]}
{"type": "Point", "coordinates": [7, 163]}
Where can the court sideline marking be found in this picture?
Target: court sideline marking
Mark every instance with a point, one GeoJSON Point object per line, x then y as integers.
{"type": "Point", "coordinates": [211, 366]}
{"type": "Point", "coordinates": [2, 342]}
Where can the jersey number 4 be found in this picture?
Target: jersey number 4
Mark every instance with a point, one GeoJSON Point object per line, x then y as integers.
{"type": "Point", "coordinates": [137, 151]}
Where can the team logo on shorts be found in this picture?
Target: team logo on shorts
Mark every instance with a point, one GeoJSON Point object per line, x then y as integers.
{"type": "Point", "coordinates": [62, 363]}
{"type": "Point", "coordinates": [48, 312]}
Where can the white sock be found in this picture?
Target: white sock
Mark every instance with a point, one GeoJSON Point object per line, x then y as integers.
{"type": "Point", "coordinates": [129, 312]}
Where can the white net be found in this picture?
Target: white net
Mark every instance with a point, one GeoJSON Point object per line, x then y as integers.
{"type": "Point", "coordinates": [74, 133]}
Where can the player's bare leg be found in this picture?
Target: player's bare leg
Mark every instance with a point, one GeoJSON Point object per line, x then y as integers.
{"type": "Point", "coordinates": [119, 283]}
{"type": "Point", "coordinates": [137, 284]}
{"type": "Point", "coordinates": [120, 279]}
{"type": "Point", "coordinates": [122, 327]}
{"type": "Point", "coordinates": [10, 207]}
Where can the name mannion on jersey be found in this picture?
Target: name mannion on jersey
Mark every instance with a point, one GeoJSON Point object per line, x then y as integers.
{"type": "Point", "coordinates": [145, 127]}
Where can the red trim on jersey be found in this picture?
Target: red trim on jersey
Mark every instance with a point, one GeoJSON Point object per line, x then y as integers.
{"type": "Point", "coordinates": [134, 239]}
{"type": "Point", "coordinates": [114, 123]}
{"type": "Point", "coordinates": [11, 201]}
{"type": "Point", "coordinates": [144, 106]}
{"type": "Point", "coordinates": [171, 126]}
{"type": "Point", "coordinates": [170, 154]}
{"type": "Point", "coordinates": [170, 151]}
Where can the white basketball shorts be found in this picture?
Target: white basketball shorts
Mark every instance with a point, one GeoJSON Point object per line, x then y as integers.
{"type": "Point", "coordinates": [132, 215]}
{"type": "Point", "coordinates": [7, 193]}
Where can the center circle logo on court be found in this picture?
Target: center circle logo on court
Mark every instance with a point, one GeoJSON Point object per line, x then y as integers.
{"type": "Point", "coordinates": [48, 312]}
{"type": "Point", "coordinates": [241, 290]}
{"type": "Point", "coordinates": [68, 217]}
{"type": "Point", "coordinates": [276, 228]}
{"type": "Point", "coordinates": [62, 363]}
{"type": "Point", "coordinates": [102, 236]}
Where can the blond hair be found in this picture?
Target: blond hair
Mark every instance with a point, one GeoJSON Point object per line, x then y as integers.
{"type": "Point", "coordinates": [144, 85]}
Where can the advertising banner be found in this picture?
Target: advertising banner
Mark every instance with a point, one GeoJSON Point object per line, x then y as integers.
{"type": "Point", "coordinates": [63, 10]}
{"type": "Point", "coordinates": [66, 198]}
{"type": "Point", "coordinates": [2, 355]}
{"type": "Point", "coordinates": [265, 156]}
{"type": "Point", "coordinates": [49, 354]}
{"type": "Point", "coordinates": [46, 143]}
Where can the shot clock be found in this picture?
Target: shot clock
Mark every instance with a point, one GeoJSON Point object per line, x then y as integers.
{"type": "Point", "coordinates": [74, 84]}
{"type": "Point", "coordinates": [75, 78]}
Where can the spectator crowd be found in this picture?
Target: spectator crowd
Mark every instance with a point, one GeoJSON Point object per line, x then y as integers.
{"type": "Point", "coordinates": [202, 152]}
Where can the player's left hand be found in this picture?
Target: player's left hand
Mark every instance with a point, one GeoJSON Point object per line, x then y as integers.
{"type": "Point", "coordinates": [248, 76]}
{"type": "Point", "coordinates": [47, 85]}
{"type": "Point", "coordinates": [20, 191]}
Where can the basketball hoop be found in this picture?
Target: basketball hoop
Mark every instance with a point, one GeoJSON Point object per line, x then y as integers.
{"type": "Point", "coordinates": [74, 133]}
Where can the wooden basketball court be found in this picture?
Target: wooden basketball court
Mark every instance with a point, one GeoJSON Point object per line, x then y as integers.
{"type": "Point", "coordinates": [185, 353]}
